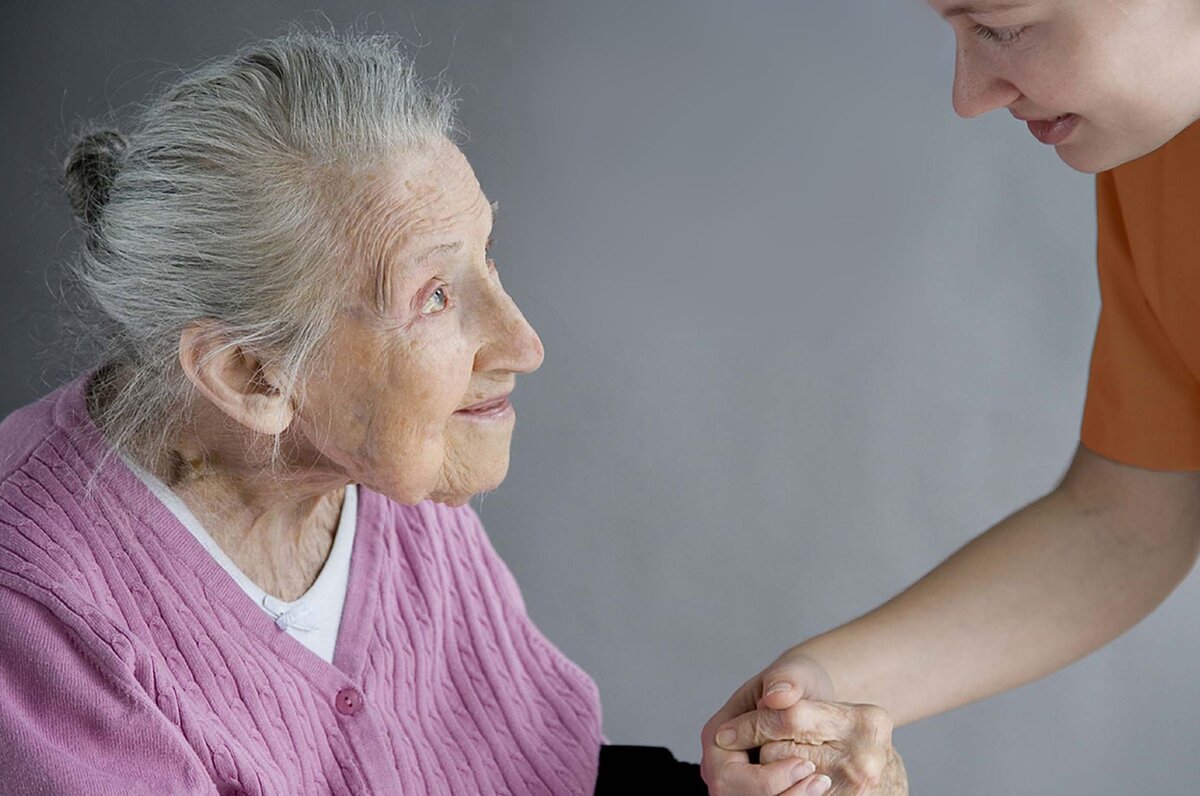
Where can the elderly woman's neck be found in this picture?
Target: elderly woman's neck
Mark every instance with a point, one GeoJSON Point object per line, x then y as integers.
{"type": "Point", "coordinates": [277, 522]}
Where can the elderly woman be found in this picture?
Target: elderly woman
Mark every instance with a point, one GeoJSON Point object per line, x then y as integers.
{"type": "Point", "coordinates": [237, 556]}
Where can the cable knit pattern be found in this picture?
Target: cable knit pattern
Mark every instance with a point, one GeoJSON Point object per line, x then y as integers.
{"type": "Point", "coordinates": [131, 663]}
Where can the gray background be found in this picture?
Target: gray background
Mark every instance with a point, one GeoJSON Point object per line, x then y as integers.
{"type": "Point", "coordinates": [806, 334]}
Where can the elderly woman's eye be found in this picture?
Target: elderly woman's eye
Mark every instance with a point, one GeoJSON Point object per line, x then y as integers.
{"type": "Point", "coordinates": [436, 301]}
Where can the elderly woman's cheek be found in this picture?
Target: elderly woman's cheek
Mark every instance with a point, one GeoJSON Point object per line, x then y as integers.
{"type": "Point", "coordinates": [399, 457]}
{"type": "Point", "coordinates": [418, 435]}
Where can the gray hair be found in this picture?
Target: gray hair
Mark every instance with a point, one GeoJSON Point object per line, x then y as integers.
{"type": "Point", "coordinates": [220, 203]}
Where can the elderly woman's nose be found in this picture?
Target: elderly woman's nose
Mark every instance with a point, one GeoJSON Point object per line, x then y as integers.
{"type": "Point", "coordinates": [976, 89]}
{"type": "Point", "coordinates": [511, 343]}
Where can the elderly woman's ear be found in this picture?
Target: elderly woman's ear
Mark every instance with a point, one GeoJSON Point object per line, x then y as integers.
{"type": "Point", "coordinates": [234, 380]}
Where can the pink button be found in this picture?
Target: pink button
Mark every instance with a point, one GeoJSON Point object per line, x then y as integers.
{"type": "Point", "coordinates": [348, 701]}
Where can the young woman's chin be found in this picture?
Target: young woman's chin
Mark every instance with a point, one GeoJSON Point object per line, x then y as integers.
{"type": "Point", "coordinates": [1087, 162]}
{"type": "Point", "coordinates": [1093, 156]}
{"type": "Point", "coordinates": [1090, 152]}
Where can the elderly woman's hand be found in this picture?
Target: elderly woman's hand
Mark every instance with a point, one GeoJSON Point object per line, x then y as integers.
{"type": "Point", "coordinates": [788, 711]}
{"type": "Point", "coordinates": [850, 746]}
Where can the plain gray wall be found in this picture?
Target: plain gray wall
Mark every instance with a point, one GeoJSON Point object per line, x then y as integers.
{"type": "Point", "coordinates": [806, 331]}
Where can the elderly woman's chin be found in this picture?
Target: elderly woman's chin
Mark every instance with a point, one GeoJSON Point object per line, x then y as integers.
{"type": "Point", "coordinates": [470, 459]}
{"type": "Point", "coordinates": [476, 462]}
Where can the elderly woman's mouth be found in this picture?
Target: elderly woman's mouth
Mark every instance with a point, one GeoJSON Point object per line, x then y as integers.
{"type": "Point", "coordinates": [491, 409]}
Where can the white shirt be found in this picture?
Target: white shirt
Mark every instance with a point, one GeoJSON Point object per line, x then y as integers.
{"type": "Point", "coordinates": [314, 618]}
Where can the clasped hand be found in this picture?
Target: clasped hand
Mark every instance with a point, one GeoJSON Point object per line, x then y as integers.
{"type": "Point", "coordinates": [807, 745]}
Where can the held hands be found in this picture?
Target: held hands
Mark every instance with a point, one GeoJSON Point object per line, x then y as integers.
{"type": "Point", "coordinates": [807, 745]}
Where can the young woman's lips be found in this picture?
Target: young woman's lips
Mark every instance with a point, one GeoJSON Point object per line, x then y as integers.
{"type": "Point", "coordinates": [1054, 131]}
{"type": "Point", "coordinates": [488, 410]}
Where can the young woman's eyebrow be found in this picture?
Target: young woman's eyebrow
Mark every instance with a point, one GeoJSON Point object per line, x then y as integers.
{"type": "Point", "coordinates": [978, 8]}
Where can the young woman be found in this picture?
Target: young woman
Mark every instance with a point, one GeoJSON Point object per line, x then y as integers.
{"type": "Point", "coordinates": [1115, 88]}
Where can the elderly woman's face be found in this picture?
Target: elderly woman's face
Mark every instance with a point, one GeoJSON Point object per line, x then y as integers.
{"type": "Point", "coordinates": [415, 402]}
{"type": "Point", "coordinates": [1103, 81]}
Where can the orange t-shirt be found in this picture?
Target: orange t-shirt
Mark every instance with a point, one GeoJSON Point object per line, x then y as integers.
{"type": "Point", "coordinates": [1143, 401]}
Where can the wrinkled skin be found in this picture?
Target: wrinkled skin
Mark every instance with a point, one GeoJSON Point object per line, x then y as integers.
{"type": "Point", "coordinates": [784, 714]}
{"type": "Point", "coordinates": [426, 329]}
{"type": "Point", "coordinates": [406, 358]}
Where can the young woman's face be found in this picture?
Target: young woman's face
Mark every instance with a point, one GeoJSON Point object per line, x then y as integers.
{"type": "Point", "coordinates": [1103, 81]}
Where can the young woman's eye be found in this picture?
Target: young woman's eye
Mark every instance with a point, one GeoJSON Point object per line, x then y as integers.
{"type": "Point", "coordinates": [436, 302]}
{"type": "Point", "coordinates": [998, 35]}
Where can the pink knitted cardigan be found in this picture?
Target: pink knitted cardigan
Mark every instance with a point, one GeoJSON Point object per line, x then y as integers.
{"type": "Point", "coordinates": [132, 663]}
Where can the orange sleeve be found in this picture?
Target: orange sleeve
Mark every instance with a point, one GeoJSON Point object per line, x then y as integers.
{"type": "Point", "coordinates": [1143, 400]}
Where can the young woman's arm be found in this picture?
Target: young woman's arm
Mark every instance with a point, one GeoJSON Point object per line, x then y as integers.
{"type": "Point", "coordinates": [1045, 587]}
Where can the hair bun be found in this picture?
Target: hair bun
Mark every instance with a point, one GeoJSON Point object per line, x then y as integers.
{"type": "Point", "coordinates": [90, 170]}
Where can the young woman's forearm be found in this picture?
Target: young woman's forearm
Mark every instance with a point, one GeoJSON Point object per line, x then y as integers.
{"type": "Point", "coordinates": [1043, 588]}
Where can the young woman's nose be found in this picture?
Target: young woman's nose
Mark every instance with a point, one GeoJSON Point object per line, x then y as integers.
{"type": "Point", "coordinates": [977, 89]}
